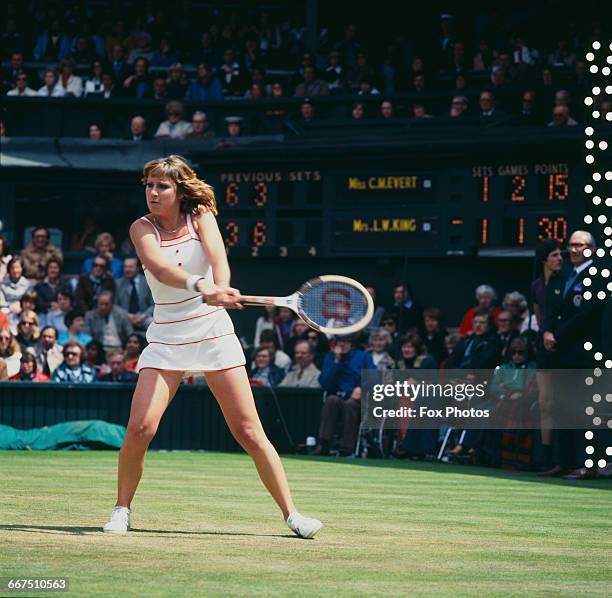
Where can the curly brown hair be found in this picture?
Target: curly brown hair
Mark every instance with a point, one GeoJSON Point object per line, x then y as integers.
{"type": "Point", "coordinates": [196, 194]}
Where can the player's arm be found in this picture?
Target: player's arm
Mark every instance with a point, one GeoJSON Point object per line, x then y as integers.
{"type": "Point", "coordinates": [212, 242]}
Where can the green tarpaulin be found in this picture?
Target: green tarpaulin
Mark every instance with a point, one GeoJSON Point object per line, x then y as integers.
{"type": "Point", "coordinates": [81, 435]}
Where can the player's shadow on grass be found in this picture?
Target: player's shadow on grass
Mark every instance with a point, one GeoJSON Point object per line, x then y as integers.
{"type": "Point", "coordinates": [85, 530]}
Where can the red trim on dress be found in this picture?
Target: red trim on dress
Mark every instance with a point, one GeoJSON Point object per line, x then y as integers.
{"type": "Point", "coordinates": [177, 302]}
{"type": "Point", "coordinates": [179, 243]}
{"type": "Point", "coordinates": [210, 338]}
{"type": "Point", "coordinates": [179, 237]}
{"type": "Point", "coordinates": [191, 318]}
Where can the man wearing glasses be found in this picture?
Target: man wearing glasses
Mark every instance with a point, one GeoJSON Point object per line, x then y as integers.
{"type": "Point", "coordinates": [21, 87]}
{"type": "Point", "coordinates": [72, 370]}
{"type": "Point", "coordinates": [91, 284]}
{"type": "Point", "coordinates": [566, 329]}
{"type": "Point", "coordinates": [38, 253]}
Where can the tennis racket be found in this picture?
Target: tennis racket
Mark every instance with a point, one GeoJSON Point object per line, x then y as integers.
{"type": "Point", "coordinates": [329, 303]}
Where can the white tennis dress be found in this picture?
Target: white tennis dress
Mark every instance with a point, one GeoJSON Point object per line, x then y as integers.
{"type": "Point", "coordinates": [186, 334]}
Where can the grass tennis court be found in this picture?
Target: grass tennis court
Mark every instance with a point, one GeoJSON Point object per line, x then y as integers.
{"type": "Point", "coordinates": [205, 526]}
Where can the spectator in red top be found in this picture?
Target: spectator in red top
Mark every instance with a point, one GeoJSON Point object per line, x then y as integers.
{"type": "Point", "coordinates": [486, 296]}
{"type": "Point", "coordinates": [28, 372]}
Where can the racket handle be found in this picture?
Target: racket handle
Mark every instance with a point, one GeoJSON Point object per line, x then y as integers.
{"type": "Point", "coordinates": [256, 300]}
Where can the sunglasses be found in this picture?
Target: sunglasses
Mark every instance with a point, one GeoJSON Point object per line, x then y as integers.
{"type": "Point", "coordinates": [97, 265]}
{"type": "Point", "coordinates": [5, 338]}
{"type": "Point", "coordinates": [72, 353]}
{"type": "Point", "coordinates": [26, 323]}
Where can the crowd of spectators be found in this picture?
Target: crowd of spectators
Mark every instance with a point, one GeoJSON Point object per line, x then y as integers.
{"type": "Point", "coordinates": [492, 75]}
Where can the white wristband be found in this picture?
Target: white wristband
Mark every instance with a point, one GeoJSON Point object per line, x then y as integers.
{"type": "Point", "coordinates": [192, 281]}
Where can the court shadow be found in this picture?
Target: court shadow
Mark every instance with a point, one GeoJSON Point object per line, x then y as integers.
{"type": "Point", "coordinates": [439, 468]}
{"type": "Point", "coordinates": [88, 530]}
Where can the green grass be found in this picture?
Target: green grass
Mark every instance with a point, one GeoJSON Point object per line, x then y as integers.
{"type": "Point", "coordinates": [205, 526]}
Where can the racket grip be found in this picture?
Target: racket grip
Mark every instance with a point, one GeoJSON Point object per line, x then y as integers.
{"type": "Point", "coordinates": [256, 300]}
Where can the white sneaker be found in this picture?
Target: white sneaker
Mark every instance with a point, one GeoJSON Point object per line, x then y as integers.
{"type": "Point", "coordinates": [304, 527]}
{"type": "Point", "coordinates": [119, 521]}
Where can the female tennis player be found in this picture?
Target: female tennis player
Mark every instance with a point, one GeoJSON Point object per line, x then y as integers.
{"type": "Point", "coordinates": [184, 260]}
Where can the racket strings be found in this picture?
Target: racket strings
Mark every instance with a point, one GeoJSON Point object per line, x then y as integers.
{"type": "Point", "coordinates": [333, 304]}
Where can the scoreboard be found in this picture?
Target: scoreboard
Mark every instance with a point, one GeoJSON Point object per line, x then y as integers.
{"type": "Point", "coordinates": [398, 209]}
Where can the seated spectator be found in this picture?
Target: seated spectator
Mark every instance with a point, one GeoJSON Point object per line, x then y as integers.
{"type": "Point", "coordinates": [264, 322]}
{"type": "Point", "coordinates": [268, 340]}
{"type": "Point", "coordinates": [15, 68]}
{"type": "Point", "coordinates": [418, 111]}
{"type": "Point", "coordinates": [406, 310]}
{"type": "Point", "coordinates": [264, 372]}
{"type": "Point", "coordinates": [26, 303]}
{"type": "Point", "coordinates": [357, 111]}
{"type": "Point", "coordinates": [69, 83]}
{"type": "Point", "coordinates": [96, 358]}
{"type": "Point", "coordinates": [528, 114]}
{"type": "Point", "coordinates": [450, 342]}
{"type": "Point", "coordinates": [82, 51]}
{"type": "Point", "coordinates": [134, 296]}
{"type": "Point", "coordinates": [284, 325]}
{"type": "Point", "coordinates": [138, 85]}
{"type": "Point", "coordinates": [303, 374]}
{"type": "Point", "coordinates": [479, 350]}
{"type": "Point", "coordinates": [367, 89]}
{"type": "Point", "coordinates": [14, 285]}
{"type": "Point", "coordinates": [50, 89]}
{"type": "Point", "coordinates": [5, 257]}
{"type": "Point", "coordinates": [159, 90]}
{"type": "Point", "coordinates": [461, 83]}
{"type": "Point", "coordinates": [176, 84]}
{"type": "Point", "coordinates": [91, 285]}
{"type": "Point", "coordinates": [28, 330]}
{"type": "Point", "coordinates": [232, 81]}
{"type": "Point", "coordinates": [561, 117]}
{"type": "Point", "coordinates": [28, 371]}
{"type": "Point", "coordinates": [118, 67]}
{"type": "Point", "coordinates": [487, 106]}
{"type": "Point", "coordinates": [10, 352]}
{"type": "Point", "coordinates": [166, 54]}
{"type": "Point", "coordinates": [561, 56]}
{"type": "Point", "coordinates": [56, 315]}
{"type": "Point", "coordinates": [94, 132]}
{"type": "Point", "coordinates": [38, 253]}
{"type": "Point", "coordinates": [75, 324]}
{"type": "Point", "coordinates": [132, 350]}
{"type": "Point", "coordinates": [379, 310]}
{"type": "Point", "coordinates": [418, 84]}
{"type": "Point", "coordinates": [434, 333]}
{"type": "Point", "coordinates": [414, 354]}
{"type": "Point", "coordinates": [48, 351]}
{"type": "Point", "coordinates": [108, 324]}
{"type": "Point", "coordinates": [506, 330]}
{"type": "Point", "coordinates": [255, 92]}
{"type": "Point", "coordinates": [389, 322]}
{"type": "Point", "coordinates": [141, 49]}
{"type": "Point", "coordinates": [334, 73]}
{"type": "Point", "coordinates": [206, 52]}
{"type": "Point", "coordinates": [386, 110]}
{"type": "Point", "coordinates": [21, 88]}
{"type": "Point", "coordinates": [138, 129]}
{"type": "Point", "coordinates": [341, 377]}
{"type": "Point", "coordinates": [53, 44]}
{"type": "Point", "coordinates": [379, 342]}
{"type": "Point", "coordinates": [299, 328]}
{"type": "Point", "coordinates": [200, 126]}
{"type": "Point", "coordinates": [516, 304]}
{"type": "Point", "coordinates": [175, 127]}
{"type": "Point", "coordinates": [234, 126]}
{"type": "Point", "coordinates": [108, 89]}
{"type": "Point", "coordinates": [105, 245]}
{"type": "Point", "coordinates": [205, 87]}
{"type": "Point", "coordinates": [46, 290]}
{"type": "Point", "coordinates": [311, 86]}
{"type": "Point", "coordinates": [94, 84]}
{"type": "Point", "coordinates": [118, 373]}
{"type": "Point", "coordinates": [73, 370]}
{"type": "Point", "coordinates": [562, 98]}
{"type": "Point", "coordinates": [459, 107]}
{"type": "Point", "coordinates": [276, 93]}
{"type": "Point", "coordinates": [319, 344]}
{"type": "Point", "coordinates": [485, 296]}
{"type": "Point", "coordinates": [307, 112]}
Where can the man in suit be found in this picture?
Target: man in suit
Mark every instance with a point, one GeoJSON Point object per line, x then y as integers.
{"type": "Point", "coordinates": [108, 324]}
{"type": "Point", "coordinates": [566, 329]}
{"type": "Point", "coordinates": [48, 353]}
{"type": "Point", "coordinates": [133, 295]}
{"type": "Point", "coordinates": [118, 372]}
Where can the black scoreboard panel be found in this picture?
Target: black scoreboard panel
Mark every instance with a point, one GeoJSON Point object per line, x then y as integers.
{"type": "Point", "coordinates": [398, 210]}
